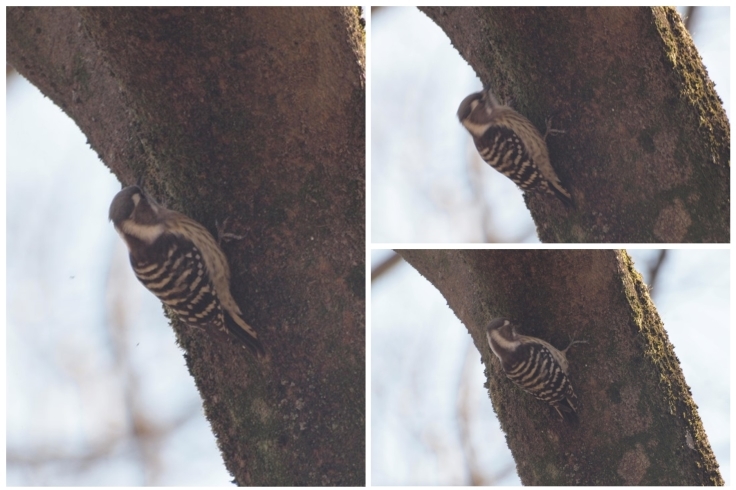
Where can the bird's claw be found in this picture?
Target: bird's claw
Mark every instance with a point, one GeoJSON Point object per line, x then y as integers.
{"type": "Point", "coordinates": [223, 235]}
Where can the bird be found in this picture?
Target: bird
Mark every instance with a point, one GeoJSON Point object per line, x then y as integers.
{"type": "Point", "coordinates": [178, 260]}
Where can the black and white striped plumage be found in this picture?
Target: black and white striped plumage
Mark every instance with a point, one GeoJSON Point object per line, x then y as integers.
{"type": "Point", "coordinates": [180, 262]}
{"type": "Point", "coordinates": [534, 365]}
{"type": "Point", "coordinates": [511, 144]}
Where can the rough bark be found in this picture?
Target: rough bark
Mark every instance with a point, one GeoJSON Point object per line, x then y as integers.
{"type": "Point", "coordinates": [257, 115]}
{"type": "Point", "coordinates": [637, 417]}
{"type": "Point", "coordinates": [646, 152]}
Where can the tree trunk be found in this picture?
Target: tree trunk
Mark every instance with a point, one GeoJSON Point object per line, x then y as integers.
{"type": "Point", "coordinates": [257, 115]}
{"type": "Point", "coordinates": [646, 149]}
{"type": "Point", "coordinates": [638, 424]}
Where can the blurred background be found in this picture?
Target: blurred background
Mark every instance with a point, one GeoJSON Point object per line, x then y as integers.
{"type": "Point", "coordinates": [429, 185]}
{"type": "Point", "coordinates": [432, 422]}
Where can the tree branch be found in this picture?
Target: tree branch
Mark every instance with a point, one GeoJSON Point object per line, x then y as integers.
{"type": "Point", "coordinates": [636, 411]}
{"type": "Point", "coordinates": [646, 152]}
{"type": "Point", "coordinates": [257, 114]}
